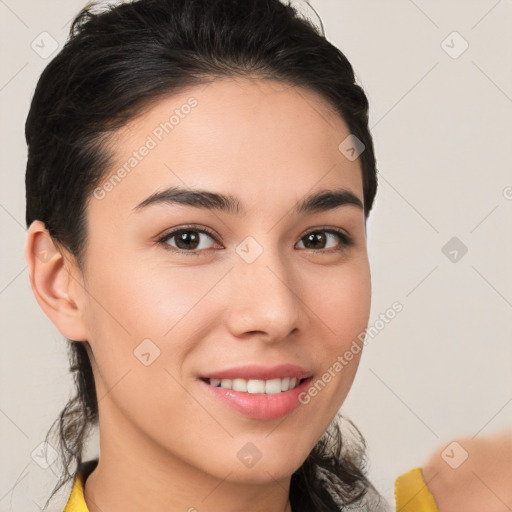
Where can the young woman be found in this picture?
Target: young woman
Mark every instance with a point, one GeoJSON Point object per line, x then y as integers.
{"type": "Point", "coordinates": [198, 182]}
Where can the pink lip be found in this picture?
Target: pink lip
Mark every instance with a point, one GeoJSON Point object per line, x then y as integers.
{"type": "Point", "coordinates": [259, 406]}
{"type": "Point", "coordinates": [260, 372]}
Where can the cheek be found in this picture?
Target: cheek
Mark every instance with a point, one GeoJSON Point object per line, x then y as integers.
{"type": "Point", "coordinates": [136, 308]}
{"type": "Point", "coordinates": [342, 309]}
{"type": "Point", "coordinates": [142, 320]}
{"type": "Point", "coordinates": [342, 303]}
{"type": "Point", "coordinates": [147, 300]}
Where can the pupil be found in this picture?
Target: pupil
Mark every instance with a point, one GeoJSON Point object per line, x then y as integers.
{"type": "Point", "coordinates": [312, 236]}
{"type": "Point", "coordinates": [187, 238]}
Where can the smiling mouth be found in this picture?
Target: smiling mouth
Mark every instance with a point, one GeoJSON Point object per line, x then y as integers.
{"type": "Point", "coordinates": [260, 399]}
{"type": "Point", "coordinates": [254, 386]}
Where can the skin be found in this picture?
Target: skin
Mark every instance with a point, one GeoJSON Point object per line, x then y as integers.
{"type": "Point", "coordinates": [162, 439]}
{"type": "Point", "coordinates": [481, 482]}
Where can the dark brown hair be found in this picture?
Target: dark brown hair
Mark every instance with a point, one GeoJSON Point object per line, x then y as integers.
{"type": "Point", "coordinates": [117, 62]}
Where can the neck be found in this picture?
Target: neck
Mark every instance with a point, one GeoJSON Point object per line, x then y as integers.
{"type": "Point", "coordinates": [146, 478]}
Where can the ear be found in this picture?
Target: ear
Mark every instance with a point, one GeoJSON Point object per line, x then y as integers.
{"type": "Point", "coordinates": [56, 282]}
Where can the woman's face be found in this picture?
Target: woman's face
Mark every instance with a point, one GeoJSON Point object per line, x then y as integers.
{"type": "Point", "coordinates": [254, 281]}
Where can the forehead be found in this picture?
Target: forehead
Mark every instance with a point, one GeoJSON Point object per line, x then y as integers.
{"type": "Point", "coordinates": [261, 140]}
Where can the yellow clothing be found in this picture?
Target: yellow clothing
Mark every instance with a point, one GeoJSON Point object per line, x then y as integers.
{"type": "Point", "coordinates": [76, 501]}
{"type": "Point", "coordinates": [411, 492]}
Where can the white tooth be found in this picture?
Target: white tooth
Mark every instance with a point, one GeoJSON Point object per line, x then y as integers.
{"type": "Point", "coordinates": [273, 386]}
{"type": "Point", "coordinates": [226, 383]}
{"type": "Point", "coordinates": [255, 386]}
{"type": "Point", "coordinates": [239, 385]}
{"type": "Point", "coordinates": [270, 387]}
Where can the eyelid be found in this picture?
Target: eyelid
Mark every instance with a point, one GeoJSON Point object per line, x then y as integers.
{"type": "Point", "coordinates": [346, 239]}
{"type": "Point", "coordinates": [330, 229]}
{"type": "Point", "coordinates": [168, 234]}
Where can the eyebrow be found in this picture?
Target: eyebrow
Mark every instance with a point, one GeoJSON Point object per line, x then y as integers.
{"type": "Point", "coordinates": [320, 201]}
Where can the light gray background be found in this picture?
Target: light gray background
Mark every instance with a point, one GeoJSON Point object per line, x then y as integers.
{"type": "Point", "coordinates": [442, 129]}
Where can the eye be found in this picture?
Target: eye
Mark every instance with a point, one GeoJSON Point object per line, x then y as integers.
{"type": "Point", "coordinates": [188, 240]}
{"type": "Point", "coordinates": [319, 238]}
{"type": "Point", "coordinates": [193, 241]}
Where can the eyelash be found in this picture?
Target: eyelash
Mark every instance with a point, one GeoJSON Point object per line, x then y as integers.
{"type": "Point", "coordinates": [346, 240]}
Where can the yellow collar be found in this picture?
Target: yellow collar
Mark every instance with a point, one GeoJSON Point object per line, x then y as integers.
{"type": "Point", "coordinates": [76, 501]}
{"type": "Point", "coordinates": [412, 493]}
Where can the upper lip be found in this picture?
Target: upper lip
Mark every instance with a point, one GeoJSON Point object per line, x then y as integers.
{"type": "Point", "coordinates": [259, 372]}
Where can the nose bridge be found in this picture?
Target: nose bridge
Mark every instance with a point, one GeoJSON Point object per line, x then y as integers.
{"type": "Point", "coordinates": [265, 297]}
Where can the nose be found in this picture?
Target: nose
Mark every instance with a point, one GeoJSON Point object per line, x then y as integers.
{"type": "Point", "coordinates": [264, 298]}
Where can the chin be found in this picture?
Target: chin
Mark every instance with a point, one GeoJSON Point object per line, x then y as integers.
{"type": "Point", "coordinates": [262, 473]}
{"type": "Point", "coordinates": [276, 465]}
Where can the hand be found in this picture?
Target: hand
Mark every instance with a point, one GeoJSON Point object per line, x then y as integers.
{"type": "Point", "coordinates": [483, 482]}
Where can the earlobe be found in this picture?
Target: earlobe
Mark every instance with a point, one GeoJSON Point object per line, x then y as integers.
{"type": "Point", "coordinates": [56, 282]}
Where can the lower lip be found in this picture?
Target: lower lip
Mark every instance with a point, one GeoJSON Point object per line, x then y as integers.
{"type": "Point", "coordinates": [259, 406]}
